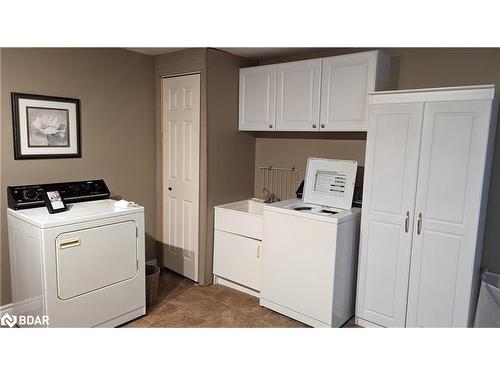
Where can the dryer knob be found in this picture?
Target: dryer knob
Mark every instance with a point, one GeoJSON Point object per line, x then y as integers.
{"type": "Point", "coordinates": [30, 194]}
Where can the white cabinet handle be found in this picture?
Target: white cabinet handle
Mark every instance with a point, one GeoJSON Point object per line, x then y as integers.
{"type": "Point", "coordinates": [69, 243]}
{"type": "Point", "coordinates": [407, 220]}
{"type": "Point", "coordinates": [258, 251]}
{"type": "Point", "coordinates": [419, 223]}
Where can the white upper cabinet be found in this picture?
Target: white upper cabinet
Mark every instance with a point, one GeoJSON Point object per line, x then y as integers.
{"type": "Point", "coordinates": [345, 83]}
{"type": "Point", "coordinates": [297, 104]}
{"type": "Point", "coordinates": [328, 94]}
{"type": "Point", "coordinates": [257, 98]}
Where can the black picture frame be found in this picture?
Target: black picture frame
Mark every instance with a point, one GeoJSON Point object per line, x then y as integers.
{"type": "Point", "coordinates": [16, 123]}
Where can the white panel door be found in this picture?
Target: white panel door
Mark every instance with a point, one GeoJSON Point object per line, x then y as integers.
{"type": "Point", "coordinates": [298, 90]}
{"type": "Point", "coordinates": [257, 98]}
{"type": "Point", "coordinates": [345, 84]}
{"type": "Point", "coordinates": [180, 185]}
{"type": "Point", "coordinates": [389, 198]}
{"type": "Point", "coordinates": [450, 180]}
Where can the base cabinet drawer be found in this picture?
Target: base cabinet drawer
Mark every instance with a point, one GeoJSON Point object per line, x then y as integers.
{"type": "Point", "coordinates": [237, 258]}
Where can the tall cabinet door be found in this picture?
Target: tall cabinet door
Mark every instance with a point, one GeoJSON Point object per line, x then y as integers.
{"type": "Point", "coordinates": [257, 98]}
{"type": "Point", "coordinates": [386, 224]}
{"type": "Point", "coordinates": [345, 84]}
{"type": "Point", "coordinates": [297, 106]}
{"type": "Point", "coordinates": [450, 180]}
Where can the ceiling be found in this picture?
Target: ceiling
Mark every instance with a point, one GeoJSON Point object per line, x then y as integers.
{"type": "Point", "coordinates": [256, 53]}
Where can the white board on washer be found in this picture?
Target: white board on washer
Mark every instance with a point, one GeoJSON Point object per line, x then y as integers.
{"type": "Point", "coordinates": [330, 182]}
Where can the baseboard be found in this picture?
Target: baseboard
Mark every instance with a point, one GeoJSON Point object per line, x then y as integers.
{"type": "Point", "coordinates": [221, 281]}
{"type": "Point", "coordinates": [152, 262]}
{"type": "Point", "coordinates": [293, 314]}
{"type": "Point", "coordinates": [365, 323]}
{"type": "Point", "coordinates": [6, 309]}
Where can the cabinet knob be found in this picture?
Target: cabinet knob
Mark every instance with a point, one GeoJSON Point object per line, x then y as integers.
{"type": "Point", "coordinates": [314, 126]}
{"type": "Point", "coordinates": [270, 126]}
{"type": "Point", "coordinates": [323, 126]}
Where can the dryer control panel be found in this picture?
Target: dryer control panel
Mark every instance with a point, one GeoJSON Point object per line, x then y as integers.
{"type": "Point", "coordinates": [29, 196]}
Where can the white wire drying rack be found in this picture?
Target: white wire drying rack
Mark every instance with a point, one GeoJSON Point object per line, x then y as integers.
{"type": "Point", "coordinates": [280, 182]}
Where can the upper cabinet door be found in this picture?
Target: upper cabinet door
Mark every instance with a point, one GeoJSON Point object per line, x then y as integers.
{"type": "Point", "coordinates": [345, 84]}
{"type": "Point", "coordinates": [386, 222]}
{"type": "Point", "coordinates": [297, 107]}
{"type": "Point", "coordinates": [450, 184]}
{"type": "Point", "coordinates": [257, 98]}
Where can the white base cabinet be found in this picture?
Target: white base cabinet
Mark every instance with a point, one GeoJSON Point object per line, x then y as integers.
{"type": "Point", "coordinates": [428, 162]}
{"type": "Point", "coordinates": [237, 259]}
{"type": "Point", "coordinates": [237, 245]}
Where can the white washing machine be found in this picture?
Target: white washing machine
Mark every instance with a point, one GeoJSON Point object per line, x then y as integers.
{"type": "Point", "coordinates": [310, 246]}
{"type": "Point", "coordinates": [83, 267]}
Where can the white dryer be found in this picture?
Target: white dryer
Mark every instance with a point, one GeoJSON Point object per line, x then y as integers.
{"type": "Point", "coordinates": [310, 246]}
{"type": "Point", "coordinates": [83, 267]}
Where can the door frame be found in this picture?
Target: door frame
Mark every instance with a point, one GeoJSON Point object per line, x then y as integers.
{"type": "Point", "coordinates": [202, 179]}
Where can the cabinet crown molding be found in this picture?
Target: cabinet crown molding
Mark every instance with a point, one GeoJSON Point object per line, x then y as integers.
{"type": "Point", "coordinates": [477, 92]}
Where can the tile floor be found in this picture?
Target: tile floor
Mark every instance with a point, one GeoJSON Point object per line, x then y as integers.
{"type": "Point", "coordinates": [183, 303]}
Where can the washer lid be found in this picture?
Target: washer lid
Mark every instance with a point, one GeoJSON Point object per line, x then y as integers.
{"type": "Point", "coordinates": [330, 182]}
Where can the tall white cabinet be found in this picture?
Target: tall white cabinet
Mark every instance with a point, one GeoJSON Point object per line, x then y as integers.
{"type": "Point", "coordinates": [427, 169]}
{"type": "Point", "coordinates": [324, 94]}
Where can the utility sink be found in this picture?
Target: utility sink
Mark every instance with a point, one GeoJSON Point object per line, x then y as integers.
{"type": "Point", "coordinates": [243, 218]}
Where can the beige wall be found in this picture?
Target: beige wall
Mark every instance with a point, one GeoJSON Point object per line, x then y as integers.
{"type": "Point", "coordinates": [230, 153]}
{"type": "Point", "coordinates": [116, 90]}
{"type": "Point", "coordinates": [292, 150]}
{"type": "Point", "coordinates": [411, 68]}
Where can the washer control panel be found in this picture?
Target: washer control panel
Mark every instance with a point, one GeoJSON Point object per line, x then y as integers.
{"type": "Point", "coordinates": [29, 196]}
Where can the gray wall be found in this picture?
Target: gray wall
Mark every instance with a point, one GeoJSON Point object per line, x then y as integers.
{"type": "Point", "coordinates": [192, 60]}
{"type": "Point", "coordinates": [230, 153]}
{"type": "Point", "coordinates": [116, 90]}
{"type": "Point", "coordinates": [226, 155]}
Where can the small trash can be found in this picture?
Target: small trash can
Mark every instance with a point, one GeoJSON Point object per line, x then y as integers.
{"type": "Point", "coordinates": [152, 282]}
{"type": "Point", "coordinates": [488, 305]}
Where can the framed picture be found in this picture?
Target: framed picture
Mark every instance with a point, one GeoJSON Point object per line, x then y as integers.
{"type": "Point", "coordinates": [45, 127]}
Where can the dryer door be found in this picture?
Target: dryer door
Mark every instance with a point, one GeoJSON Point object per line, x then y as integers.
{"type": "Point", "coordinates": [93, 258]}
